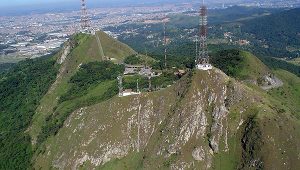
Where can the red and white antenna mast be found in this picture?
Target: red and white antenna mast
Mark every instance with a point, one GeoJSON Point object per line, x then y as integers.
{"type": "Point", "coordinates": [202, 59]}
{"type": "Point", "coordinates": [84, 16]}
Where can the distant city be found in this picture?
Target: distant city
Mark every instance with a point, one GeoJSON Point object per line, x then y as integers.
{"type": "Point", "coordinates": [35, 35]}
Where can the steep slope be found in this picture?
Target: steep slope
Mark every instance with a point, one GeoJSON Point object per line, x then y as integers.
{"type": "Point", "coordinates": [21, 89]}
{"type": "Point", "coordinates": [113, 48]}
{"type": "Point", "coordinates": [241, 65]}
{"type": "Point", "coordinates": [80, 49]}
{"type": "Point", "coordinates": [245, 67]}
{"type": "Point", "coordinates": [207, 120]}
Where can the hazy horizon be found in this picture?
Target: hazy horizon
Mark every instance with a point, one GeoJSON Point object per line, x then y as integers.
{"type": "Point", "coordinates": [21, 7]}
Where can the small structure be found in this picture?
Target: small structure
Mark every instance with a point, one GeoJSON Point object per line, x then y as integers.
{"type": "Point", "coordinates": [204, 67]}
{"type": "Point", "coordinates": [132, 69]}
{"type": "Point", "coordinates": [127, 92]}
{"type": "Point", "coordinates": [140, 70]}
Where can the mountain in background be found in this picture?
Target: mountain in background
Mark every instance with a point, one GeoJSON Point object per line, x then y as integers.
{"type": "Point", "coordinates": [65, 113]}
{"type": "Point", "coordinates": [278, 31]}
{"type": "Point", "coordinates": [38, 8]}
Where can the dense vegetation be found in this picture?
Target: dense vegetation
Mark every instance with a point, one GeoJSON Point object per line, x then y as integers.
{"type": "Point", "coordinates": [280, 64]}
{"type": "Point", "coordinates": [164, 80]}
{"type": "Point", "coordinates": [90, 75]}
{"type": "Point", "coordinates": [229, 61]}
{"type": "Point", "coordinates": [275, 35]}
{"type": "Point", "coordinates": [21, 89]}
{"type": "Point", "coordinates": [167, 78]}
{"type": "Point", "coordinates": [94, 82]}
{"type": "Point", "coordinates": [277, 29]}
{"type": "Point", "coordinates": [271, 32]}
{"type": "Point", "coordinates": [133, 60]}
{"type": "Point", "coordinates": [5, 66]}
{"type": "Point", "coordinates": [219, 16]}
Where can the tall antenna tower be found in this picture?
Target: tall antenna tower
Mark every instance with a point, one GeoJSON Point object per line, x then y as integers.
{"type": "Point", "coordinates": [202, 59]}
{"type": "Point", "coordinates": [84, 16]}
{"type": "Point", "coordinates": [165, 42]}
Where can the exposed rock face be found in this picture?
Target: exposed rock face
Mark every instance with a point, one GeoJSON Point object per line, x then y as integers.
{"type": "Point", "coordinates": [65, 52]}
{"type": "Point", "coordinates": [270, 81]}
{"type": "Point", "coordinates": [181, 127]}
{"type": "Point", "coordinates": [199, 154]}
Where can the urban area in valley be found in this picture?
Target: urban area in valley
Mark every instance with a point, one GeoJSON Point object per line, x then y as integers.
{"type": "Point", "coordinates": [36, 35]}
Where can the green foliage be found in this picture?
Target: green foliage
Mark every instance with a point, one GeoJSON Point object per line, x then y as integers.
{"type": "Point", "coordinates": [167, 78]}
{"type": "Point", "coordinates": [289, 93]}
{"type": "Point", "coordinates": [280, 64]}
{"type": "Point", "coordinates": [277, 30]}
{"type": "Point", "coordinates": [133, 161]}
{"type": "Point", "coordinates": [229, 61]}
{"type": "Point", "coordinates": [130, 82]}
{"type": "Point", "coordinates": [20, 92]}
{"type": "Point", "coordinates": [6, 66]}
{"type": "Point", "coordinates": [91, 74]}
{"type": "Point", "coordinates": [168, 162]}
{"type": "Point", "coordinates": [81, 93]}
{"type": "Point", "coordinates": [133, 60]}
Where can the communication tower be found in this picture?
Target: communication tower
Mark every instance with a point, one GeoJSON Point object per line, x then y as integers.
{"type": "Point", "coordinates": [202, 59]}
{"type": "Point", "coordinates": [84, 22]}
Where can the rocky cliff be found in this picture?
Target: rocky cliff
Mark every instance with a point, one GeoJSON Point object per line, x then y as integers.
{"type": "Point", "coordinates": [206, 120]}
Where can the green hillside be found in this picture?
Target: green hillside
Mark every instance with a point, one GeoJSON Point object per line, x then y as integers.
{"type": "Point", "coordinates": [280, 31]}
{"type": "Point", "coordinates": [21, 89]}
{"type": "Point", "coordinates": [178, 127]}
{"type": "Point", "coordinates": [63, 112]}
{"type": "Point", "coordinates": [85, 50]}
{"type": "Point", "coordinates": [241, 65]}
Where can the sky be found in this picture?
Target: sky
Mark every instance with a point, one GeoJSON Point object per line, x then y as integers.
{"type": "Point", "coordinates": [12, 3]}
{"type": "Point", "coordinates": [40, 2]}
{"type": "Point", "coordinates": [25, 2]}
{"type": "Point", "coordinates": [20, 7]}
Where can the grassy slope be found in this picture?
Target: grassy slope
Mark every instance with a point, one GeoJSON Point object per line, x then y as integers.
{"type": "Point", "coordinates": [289, 94]}
{"type": "Point", "coordinates": [130, 162]}
{"type": "Point", "coordinates": [253, 68]}
{"type": "Point", "coordinates": [121, 108]}
{"type": "Point", "coordinates": [112, 48]}
{"type": "Point", "coordinates": [276, 117]}
{"type": "Point", "coordinates": [86, 51]}
{"type": "Point", "coordinates": [274, 120]}
{"type": "Point", "coordinates": [277, 146]}
{"type": "Point", "coordinates": [241, 65]}
{"type": "Point", "coordinates": [281, 130]}
{"type": "Point", "coordinates": [274, 124]}
{"type": "Point", "coordinates": [295, 61]}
